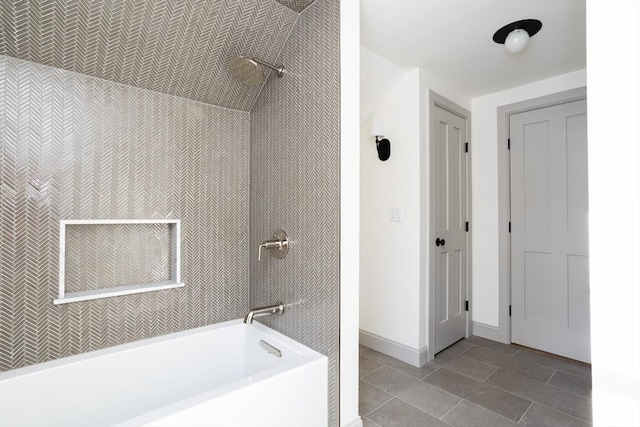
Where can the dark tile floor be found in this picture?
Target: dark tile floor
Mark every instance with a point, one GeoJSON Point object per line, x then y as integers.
{"type": "Point", "coordinates": [475, 383]}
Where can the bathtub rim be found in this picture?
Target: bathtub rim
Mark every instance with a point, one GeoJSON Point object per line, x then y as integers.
{"type": "Point", "coordinates": [130, 346]}
{"type": "Point", "coordinates": [305, 358]}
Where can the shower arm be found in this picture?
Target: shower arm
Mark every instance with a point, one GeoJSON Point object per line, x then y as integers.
{"type": "Point", "coordinates": [279, 69]}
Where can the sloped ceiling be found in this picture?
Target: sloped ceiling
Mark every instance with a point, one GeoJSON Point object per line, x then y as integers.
{"type": "Point", "coordinates": [177, 47]}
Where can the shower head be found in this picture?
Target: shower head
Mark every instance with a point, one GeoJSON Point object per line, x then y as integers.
{"type": "Point", "coordinates": [249, 71]}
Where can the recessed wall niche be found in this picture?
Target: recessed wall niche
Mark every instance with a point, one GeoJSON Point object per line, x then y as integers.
{"type": "Point", "coordinates": [107, 258]}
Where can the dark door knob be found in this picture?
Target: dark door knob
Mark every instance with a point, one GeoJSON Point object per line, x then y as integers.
{"type": "Point", "coordinates": [439, 242]}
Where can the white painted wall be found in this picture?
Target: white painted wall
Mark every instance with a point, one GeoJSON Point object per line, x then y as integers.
{"type": "Point", "coordinates": [349, 210]}
{"type": "Point", "coordinates": [393, 282]}
{"type": "Point", "coordinates": [379, 78]}
{"type": "Point", "coordinates": [389, 254]}
{"type": "Point", "coordinates": [484, 222]}
{"type": "Point", "coordinates": [613, 97]}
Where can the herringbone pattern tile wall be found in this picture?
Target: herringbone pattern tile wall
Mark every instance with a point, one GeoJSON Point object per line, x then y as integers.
{"type": "Point", "coordinates": [105, 256]}
{"type": "Point", "coordinates": [77, 147]}
{"type": "Point", "coordinates": [297, 5]}
{"type": "Point", "coordinates": [295, 185]}
{"type": "Point", "coordinates": [178, 47]}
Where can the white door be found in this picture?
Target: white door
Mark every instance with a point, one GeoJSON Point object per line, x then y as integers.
{"type": "Point", "coordinates": [549, 230]}
{"type": "Point", "coordinates": [450, 244]}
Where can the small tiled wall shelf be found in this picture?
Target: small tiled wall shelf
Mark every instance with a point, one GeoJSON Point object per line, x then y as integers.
{"type": "Point", "coordinates": [174, 282]}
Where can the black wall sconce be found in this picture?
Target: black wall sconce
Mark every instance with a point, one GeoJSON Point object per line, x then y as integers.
{"type": "Point", "coordinates": [382, 144]}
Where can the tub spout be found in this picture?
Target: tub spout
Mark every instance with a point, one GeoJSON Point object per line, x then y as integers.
{"type": "Point", "coordinates": [263, 311]}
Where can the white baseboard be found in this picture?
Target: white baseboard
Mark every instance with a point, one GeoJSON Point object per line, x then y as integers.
{"type": "Point", "coordinates": [354, 423]}
{"type": "Point", "coordinates": [489, 332]}
{"type": "Point", "coordinates": [394, 349]}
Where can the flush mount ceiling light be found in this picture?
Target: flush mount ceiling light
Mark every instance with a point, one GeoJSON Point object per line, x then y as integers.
{"type": "Point", "coordinates": [515, 36]}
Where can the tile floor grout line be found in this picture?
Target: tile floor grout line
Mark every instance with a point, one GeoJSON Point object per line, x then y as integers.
{"type": "Point", "coordinates": [525, 412]}
{"type": "Point", "coordinates": [558, 369]}
{"type": "Point", "coordinates": [372, 385]}
{"type": "Point", "coordinates": [510, 371]}
{"type": "Point", "coordinates": [371, 421]}
{"type": "Point", "coordinates": [472, 345]}
{"type": "Point", "coordinates": [496, 351]}
{"type": "Point", "coordinates": [422, 410]}
{"type": "Point", "coordinates": [575, 375]}
{"type": "Point", "coordinates": [405, 374]}
{"type": "Point", "coordinates": [369, 373]}
{"type": "Point", "coordinates": [454, 407]}
{"type": "Point", "coordinates": [552, 375]}
{"type": "Point", "coordinates": [550, 385]}
{"type": "Point", "coordinates": [564, 413]}
{"type": "Point", "coordinates": [484, 380]}
{"type": "Point", "coordinates": [500, 367]}
{"type": "Point", "coordinates": [368, 358]}
{"type": "Point", "coordinates": [393, 396]}
{"type": "Point", "coordinates": [431, 373]}
{"type": "Point", "coordinates": [540, 403]}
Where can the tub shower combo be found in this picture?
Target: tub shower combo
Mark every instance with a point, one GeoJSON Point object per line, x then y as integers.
{"type": "Point", "coordinates": [207, 376]}
{"type": "Point", "coordinates": [234, 373]}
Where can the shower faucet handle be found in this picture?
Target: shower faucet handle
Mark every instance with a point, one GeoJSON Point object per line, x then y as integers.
{"type": "Point", "coordinates": [279, 245]}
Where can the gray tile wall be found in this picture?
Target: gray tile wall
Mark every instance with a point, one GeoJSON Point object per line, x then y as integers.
{"type": "Point", "coordinates": [178, 47]}
{"type": "Point", "coordinates": [297, 5]}
{"type": "Point", "coordinates": [110, 255]}
{"type": "Point", "coordinates": [295, 185]}
{"type": "Point", "coordinates": [77, 147]}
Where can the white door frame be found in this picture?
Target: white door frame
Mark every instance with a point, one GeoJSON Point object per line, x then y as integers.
{"type": "Point", "coordinates": [444, 103]}
{"type": "Point", "coordinates": [503, 332]}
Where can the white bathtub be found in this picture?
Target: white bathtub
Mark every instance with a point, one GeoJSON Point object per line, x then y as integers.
{"type": "Point", "coordinates": [217, 375]}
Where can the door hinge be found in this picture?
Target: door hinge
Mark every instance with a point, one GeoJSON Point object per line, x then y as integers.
{"type": "Point", "coordinates": [509, 310]}
{"type": "Point", "coordinates": [508, 143]}
{"type": "Point", "coordinates": [466, 147]}
{"type": "Point", "coordinates": [509, 226]}
{"type": "Point", "coordinates": [466, 226]}
{"type": "Point", "coordinates": [466, 306]}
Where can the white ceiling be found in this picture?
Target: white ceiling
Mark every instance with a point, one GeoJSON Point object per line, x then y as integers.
{"type": "Point", "coordinates": [452, 39]}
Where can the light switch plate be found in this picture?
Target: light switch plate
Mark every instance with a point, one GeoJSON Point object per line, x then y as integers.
{"type": "Point", "coordinates": [395, 214]}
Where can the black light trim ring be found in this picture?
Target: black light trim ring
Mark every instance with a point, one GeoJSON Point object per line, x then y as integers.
{"type": "Point", "coordinates": [531, 26]}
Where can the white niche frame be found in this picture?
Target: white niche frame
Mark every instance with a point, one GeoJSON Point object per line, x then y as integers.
{"type": "Point", "coordinates": [68, 297]}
